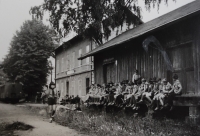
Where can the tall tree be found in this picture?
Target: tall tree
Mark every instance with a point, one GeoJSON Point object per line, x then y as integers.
{"type": "Point", "coordinates": [29, 50]}
{"type": "Point", "coordinates": [87, 17]}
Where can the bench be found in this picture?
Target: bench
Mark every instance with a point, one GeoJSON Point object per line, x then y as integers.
{"type": "Point", "coordinates": [193, 102]}
{"type": "Point", "coordinates": [187, 100]}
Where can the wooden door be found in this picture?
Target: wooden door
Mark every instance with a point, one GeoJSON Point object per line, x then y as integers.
{"type": "Point", "coordinates": [109, 73]}
{"type": "Point", "coordinates": [183, 65]}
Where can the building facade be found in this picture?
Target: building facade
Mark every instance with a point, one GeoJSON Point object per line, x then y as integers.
{"type": "Point", "coordinates": [73, 76]}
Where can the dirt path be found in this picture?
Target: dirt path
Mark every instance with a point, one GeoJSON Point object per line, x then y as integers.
{"type": "Point", "coordinates": [42, 127]}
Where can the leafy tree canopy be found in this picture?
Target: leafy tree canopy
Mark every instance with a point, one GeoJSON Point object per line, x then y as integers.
{"type": "Point", "coordinates": [26, 61]}
{"type": "Point", "coordinates": [90, 17]}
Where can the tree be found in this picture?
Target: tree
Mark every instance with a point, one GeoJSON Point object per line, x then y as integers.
{"type": "Point", "coordinates": [87, 17]}
{"type": "Point", "coordinates": [29, 50]}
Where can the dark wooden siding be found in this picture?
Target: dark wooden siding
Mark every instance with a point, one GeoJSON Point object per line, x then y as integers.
{"type": "Point", "coordinates": [181, 42]}
{"type": "Point", "coordinates": [149, 64]}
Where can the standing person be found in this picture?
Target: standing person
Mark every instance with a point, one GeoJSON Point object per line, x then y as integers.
{"type": "Point", "coordinates": [43, 96]}
{"type": "Point", "coordinates": [51, 101]}
{"type": "Point", "coordinates": [135, 77]}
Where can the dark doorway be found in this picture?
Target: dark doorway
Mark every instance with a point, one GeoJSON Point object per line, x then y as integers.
{"type": "Point", "coordinates": [87, 85]}
{"type": "Point", "coordinates": [109, 73]}
{"type": "Point", "coordinates": [67, 87]}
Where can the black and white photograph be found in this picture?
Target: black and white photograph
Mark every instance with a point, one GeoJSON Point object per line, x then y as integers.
{"type": "Point", "coordinates": [99, 67]}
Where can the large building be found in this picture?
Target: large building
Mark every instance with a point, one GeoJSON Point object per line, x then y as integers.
{"type": "Point", "coordinates": [73, 76]}
{"type": "Point", "coordinates": [160, 48]}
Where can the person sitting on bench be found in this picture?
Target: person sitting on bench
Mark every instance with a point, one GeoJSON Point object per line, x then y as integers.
{"type": "Point", "coordinates": [148, 92]}
{"type": "Point", "coordinates": [141, 90]}
{"type": "Point", "coordinates": [166, 88]}
{"type": "Point", "coordinates": [156, 92]}
{"type": "Point", "coordinates": [132, 101]}
{"type": "Point", "coordinates": [176, 90]}
{"type": "Point", "coordinates": [117, 93]}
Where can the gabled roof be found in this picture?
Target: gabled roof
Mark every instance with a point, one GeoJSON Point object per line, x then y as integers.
{"type": "Point", "coordinates": [142, 29]}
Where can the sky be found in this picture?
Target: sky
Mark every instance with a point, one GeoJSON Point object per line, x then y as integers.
{"type": "Point", "coordinates": [14, 12]}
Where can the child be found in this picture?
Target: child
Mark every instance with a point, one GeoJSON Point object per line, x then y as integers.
{"type": "Point", "coordinates": [176, 90]}
{"type": "Point", "coordinates": [117, 93]}
{"type": "Point", "coordinates": [166, 88]}
{"type": "Point", "coordinates": [51, 101]}
{"type": "Point", "coordinates": [141, 90]}
{"type": "Point", "coordinates": [120, 96]}
{"type": "Point", "coordinates": [148, 92]}
{"type": "Point", "coordinates": [132, 101]}
{"type": "Point", "coordinates": [156, 92]}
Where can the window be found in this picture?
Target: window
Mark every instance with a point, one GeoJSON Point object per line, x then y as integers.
{"type": "Point", "coordinates": [88, 58]}
{"type": "Point", "coordinates": [73, 60]}
{"type": "Point", "coordinates": [73, 88]}
{"type": "Point", "coordinates": [67, 63]}
{"type": "Point", "coordinates": [57, 86]}
{"type": "Point", "coordinates": [62, 65]}
{"type": "Point", "coordinates": [79, 85]}
{"type": "Point", "coordinates": [80, 54]}
{"type": "Point", "coordinates": [62, 90]}
{"type": "Point", "coordinates": [57, 66]}
{"type": "Point", "coordinates": [93, 46]}
{"type": "Point", "coordinates": [70, 65]}
{"type": "Point", "coordinates": [87, 48]}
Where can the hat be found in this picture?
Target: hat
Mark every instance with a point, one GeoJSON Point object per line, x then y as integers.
{"type": "Point", "coordinates": [143, 80]}
{"type": "Point", "coordinates": [146, 83]}
{"type": "Point", "coordinates": [164, 80]}
{"type": "Point", "coordinates": [175, 76]}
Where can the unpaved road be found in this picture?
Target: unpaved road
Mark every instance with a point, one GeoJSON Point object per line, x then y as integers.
{"type": "Point", "coordinates": [10, 113]}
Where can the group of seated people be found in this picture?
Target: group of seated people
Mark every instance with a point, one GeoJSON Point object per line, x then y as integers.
{"type": "Point", "coordinates": [156, 93]}
{"type": "Point", "coordinates": [70, 99]}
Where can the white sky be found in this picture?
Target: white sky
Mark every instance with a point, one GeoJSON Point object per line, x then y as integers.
{"type": "Point", "coordinates": [14, 12]}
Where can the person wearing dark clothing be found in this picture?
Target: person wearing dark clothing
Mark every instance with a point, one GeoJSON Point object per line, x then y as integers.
{"type": "Point", "coordinates": [51, 100]}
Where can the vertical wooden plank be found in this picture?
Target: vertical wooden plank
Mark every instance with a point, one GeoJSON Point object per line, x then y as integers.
{"type": "Point", "coordinates": [195, 48]}
{"type": "Point", "coordinates": [141, 62]}
{"type": "Point", "coordinates": [153, 65]}
{"type": "Point", "coordinates": [127, 66]}
{"type": "Point", "coordinates": [198, 57]}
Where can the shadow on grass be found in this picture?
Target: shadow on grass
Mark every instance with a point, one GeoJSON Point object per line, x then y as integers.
{"type": "Point", "coordinates": [8, 129]}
